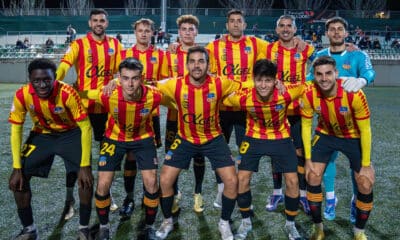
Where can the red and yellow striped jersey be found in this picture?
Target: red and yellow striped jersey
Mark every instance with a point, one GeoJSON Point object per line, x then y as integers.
{"type": "Point", "coordinates": [198, 107]}
{"type": "Point", "coordinates": [130, 120]}
{"type": "Point", "coordinates": [57, 113]}
{"type": "Point", "coordinates": [95, 62]}
{"type": "Point", "coordinates": [291, 65]}
{"type": "Point", "coordinates": [177, 63]}
{"type": "Point", "coordinates": [235, 60]}
{"type": "Point", "coordinates": [266, 120]}
{"type": "Point", "coordinates": [176, 68]}
{"type": "Point", "coordinates": [155, 66]}
{"type": "Point", "coordinates": [337, 115]}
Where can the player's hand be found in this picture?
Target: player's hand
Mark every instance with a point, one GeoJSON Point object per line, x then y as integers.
{"type": "Point", "coordinates": [309, 168]}
{"type": "Point", "coordinates": [299, 44]}
{"type": "Point", "coordinates": [85, 177]}
{"type": "Point", "coordinates": [368, 172]}
{"type": "Point", "coordinates": [281, 87]}
{"type": "Point", "coordinates": [352, 84]}
{"type": "Point", "coordinates": [350, 47]}
{"type": "Point", "coordinates": [109, 88]}
{"type": "Point", "coordinates": [172, 47]}
{"type": "Point", "coordinates": [16, 181]}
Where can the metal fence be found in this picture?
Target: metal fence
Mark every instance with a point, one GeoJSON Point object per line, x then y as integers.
{"type": "Point", "coordinates": [198, 12]}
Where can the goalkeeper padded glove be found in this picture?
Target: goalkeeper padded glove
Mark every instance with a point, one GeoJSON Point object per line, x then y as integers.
{"type": "Point", "coordinates": [352, 84]}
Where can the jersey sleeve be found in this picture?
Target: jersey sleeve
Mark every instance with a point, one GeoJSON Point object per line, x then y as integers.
{"type": "Point", "coordinates": [67, 61]}
{"type": "Point", "coordinates": [76, 107]}
{"type": "Point", "coordinates": [366, 70]}
{"type": "Point", "coordinates": [233, 99]}
{"type": "Point", "coordinates": [18, 111]}
{"type": "Point", "coordinates": [213, 62]}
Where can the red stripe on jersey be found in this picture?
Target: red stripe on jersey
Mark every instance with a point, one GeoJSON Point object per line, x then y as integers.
{"type": "Point", "coordinates": [191, 109]}
{"type": "Point", "coordinates": [169, 61]}
{"type": "Point", "coordinates": [149, 65]}
{"type": "Point", "coordinates": [64, 97]}
{"type": "Point", "coordinates": [110, 122]}
{"type": "Point", "coordinates": [39, 112]}
{"type": "Point", "coordinates": [255, 49]}
{"type": "Point", "coordinates": [244, 61]}
{"type": "Point", "coordinates": [340, 118]}
{"type": "Point", "coordinates": [20, 96]}
{"type": "Point", "coordinates": [107, 59]}
{"type": "Point", "coordinates": [93, 72]}
{"type": "Point", "coordinates": [249, 119]}
{"type": "Point", "coordinates": [229, 60]}
{"type": "Point", "coordinates": [303, 66]}
{"type": "Point", "coordinates": [181, 63]}
{"type": "Point", "coordinates": [161, 62]}
{"type": "Point", "coordinates": [122, 106]}
{"type": "Point", "coordinates": [325, 116]}
{"type": "Point", "coordinates": [280, 63]}
{"type": "Point", "coordinates": [293, 65]}
{"type": "Point", "coordinates": [123, 54]}
{"type": "Point", "coordinates": [206, 112]}
{"type": "Point", "coordinates": [269, 53]}
{"type": "Point", "coordinates": [180, 101]}
{"type": "Point", "coordinates": [216, 56]}
{"type": "Point", "coordinates": [82, 63]}
{"type": "Point", "coordinates": [218, 87]}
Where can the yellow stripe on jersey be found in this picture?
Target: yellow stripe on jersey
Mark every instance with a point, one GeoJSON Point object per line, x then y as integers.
{"type": "Point", "coordinates": [266, 120]}
{"type": "Point", "coordinates": [58, 113]}
{"type": "Point", "coordinates": [95, 62]}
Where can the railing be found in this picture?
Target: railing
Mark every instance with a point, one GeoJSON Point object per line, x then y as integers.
{"type": "Point", "coordinates": [200, 12]}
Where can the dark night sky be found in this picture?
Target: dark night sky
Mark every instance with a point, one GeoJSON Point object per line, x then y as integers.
{"type": "Point", "coordinates": [391, 4]}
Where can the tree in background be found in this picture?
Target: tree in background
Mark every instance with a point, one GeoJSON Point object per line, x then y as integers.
{"type": "Point", "coordinates": [136, 7]}
{"type": "Point", "coordinates": [76, 7]}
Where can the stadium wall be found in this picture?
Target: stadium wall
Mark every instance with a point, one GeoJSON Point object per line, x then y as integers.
{"type": "Point", "coordinates": [387, 73]}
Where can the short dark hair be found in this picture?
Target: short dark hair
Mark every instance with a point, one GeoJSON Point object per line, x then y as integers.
{"type": "Point", "coordinates": [42, 63]}
{"type": "Point", "coordinates": [197, 49]}
{"type": "Point", "coordinates": [324, 60]}
{"type": "Point", "coordinates": [234, 12]}
{"type": "Point", "coordinates": [131, 64]}
{"type": "Point", "coordinates": [98, 11]}
{"type": "Point", "coordinates": [144, 21]}
{"type": "Point", "coordinates": [336, 20]}
{"type": "Point", "coordinates": [264, 68]}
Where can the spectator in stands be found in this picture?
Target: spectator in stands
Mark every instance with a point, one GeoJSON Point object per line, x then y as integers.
{"type": "Point", "coordinates": [153, 37]}
{"type": "Point", "coordinates": [49, 44]}
{"type": "Point", "coordinates": [71, 34]}
{"type": "Point", "coordinates": [358, 32]}
{"type": "Point", "coordinates": [388, 34]}
{"type": "Point", "coordinates": [376, 44]}
{"type": "Point", "coordinates": [364, 43]}
{"type": "Point", "coordinates": [395, 44]}
{"type": "Point", "coordinates": [26, 42]}
{"type": "Point", "coordinates": [217, 36]}
{"type": "Point", "coordinates": [319, 33]}
{"type": "Point", "coordinates": [119, 37]}
{"type": "Point", "coordinates": [255, 29]}
{"type": "Point", "coordinates": [160, 35]}
{"type": "Point", "coordinates": [20, 45]}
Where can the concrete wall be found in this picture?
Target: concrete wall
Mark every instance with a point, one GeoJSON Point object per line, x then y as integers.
{"type": "Point", "coordinates": [387, 72]}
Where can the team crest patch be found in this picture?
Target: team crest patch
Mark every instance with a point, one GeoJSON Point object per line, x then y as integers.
{"type": "Point", "coordinates": [343, 110]}
{"type": "Point", "coordinates": [297, 56]}
{"type": "Point", "coordinates": [111, 51]}
{"type": "Point", "coordinates": [58, 110]}
{"type": "Point", "coordinates": [32, 107]}
{"type": "Point", "coordinates": [318, 108]}
{"type": "Point", "coordinates": [144, 112]}
{"type": "Point", "coordinates": [278, 107]}
{"type": "Point", "coordinates": [210, 97]}
{"type": "Point", "coordinates": [247, 49]}
{"type": "Point", "coordinates": [102, 161]}
{"type": "Point", "coordinates": [153, 60]}
{"type": "Point", "coordinates": [346, 66]}
{"type": "Point", "coordinates": [169, 154]}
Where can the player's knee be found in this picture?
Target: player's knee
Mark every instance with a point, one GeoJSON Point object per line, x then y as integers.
{"type": "Point", "coordinates": [364, 185]}
{"type": "Point", "coordinates": [292, 181]}
{"type": "Point", "coordinates": [231, 182]}
{"type": "Point", "coordinates": [151, 185]}
{"type": "Point", "coordinates": [314, 179]}
{"type": "Point", "coordinates": [103, 187]}
{"type": "Point", "coordinates": [243, 181]}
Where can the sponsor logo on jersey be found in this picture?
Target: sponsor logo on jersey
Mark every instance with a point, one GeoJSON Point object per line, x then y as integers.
{"type": "Point", "coordinates": [278, 107]}
{"type": "Point", "coordinates": [144, 112]}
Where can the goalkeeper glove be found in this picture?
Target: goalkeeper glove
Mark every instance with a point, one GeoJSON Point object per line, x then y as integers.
{"type": "Point", "coordinates": [352, 84]}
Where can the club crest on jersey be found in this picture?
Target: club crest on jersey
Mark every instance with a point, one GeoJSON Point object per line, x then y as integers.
{"type": "Point", "coordinates": [278, 107]}
{"type": "Point", "coordinates": [153, 60]}
{"type": "Point", "coordinates": [343, 110]}
{"type": "Point", "coordinates": [102, 161]}
{"type": "Point", "coordinates": [58, 110]}
{"type": "Point", "coordinates": [144, 112]}
{"type": "Point", "coordinates": [210, 97]}
{"type": "Point", "coordinates": [32, 107]}
{"type": "Point", "coordinates": [111, 51]}
{"type": "Point", "coordinates": [247, 49]}
{"type": "Point", "coordinates": [297, 56]}
{"type": "Point", "coordinates": [346, 65]}
{"type": "Point", "coordinates": [318, 108]}
{"type": "Point", "coordinates": [168, 156]}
